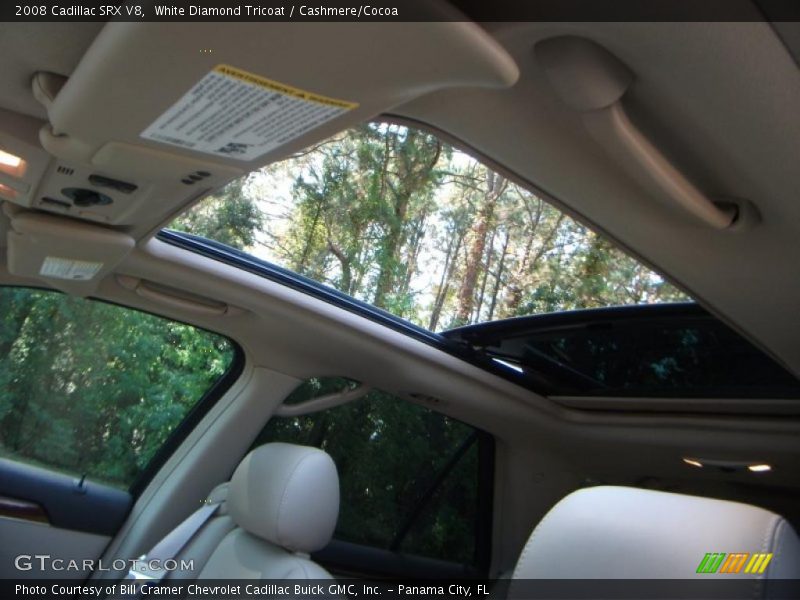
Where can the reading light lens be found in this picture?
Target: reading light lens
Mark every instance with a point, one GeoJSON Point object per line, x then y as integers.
{"type": "Point", "coordinates": [512, 366]}
{"type": "Point", "coordinates": [11, 164]}
{"type": "Point", "coordinates": [693, 462]}
{"type": "Point", "coordinates": [8, 192]}
{"type": "Point", "coordinates": [10, 160]}
{"type": "Point", "coordinates": [759, 468]}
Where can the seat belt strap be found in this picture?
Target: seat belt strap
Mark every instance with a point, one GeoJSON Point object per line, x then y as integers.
{"type": "Point", "coordinates": [171, 545]}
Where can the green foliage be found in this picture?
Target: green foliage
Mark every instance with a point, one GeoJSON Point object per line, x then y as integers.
{"type": "Point", "coordinates": [93, 388]}
{"type": "Point", "coordinates": [394, 217]}
{"type": "Point", "coordinates": [230, 216]}
{"type": "Point", "coordinates": [358, 204]}
{"type": "Point", "coordinates": [388, 453]}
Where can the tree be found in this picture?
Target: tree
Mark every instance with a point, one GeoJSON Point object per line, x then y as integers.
{"type": "Point", "coordinates": [495, 186]}
{"type": "Point", "coordinates": [93, 388]}
{"type": "Point", "coordinates": [230, 216]}
{"type": "Point", "coordinates": [388, 454]}
{"type": "Point", "coordinates": [392, 216]}
{"type": "Point", "coordinates": [364, 203]}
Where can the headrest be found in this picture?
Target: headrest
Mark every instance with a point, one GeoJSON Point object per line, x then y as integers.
{"type": "Point", "coordinates": [625, 533]}
{"type": "Point", "coordinates": [287, 495]}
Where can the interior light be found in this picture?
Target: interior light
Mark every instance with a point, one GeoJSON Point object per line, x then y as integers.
{"type": "Point", "coordinates": [8, 192]}
{"type": "Point", "coordinates": [693, 462]}
{"type": "Point", "coordinates": [511, 366]}
{"type": "Point", "coordinates": [763, 468]}
{"type": "Point", "coordinates": [9, 159]}
{"type": "Point", "coordinates": [12, 164]}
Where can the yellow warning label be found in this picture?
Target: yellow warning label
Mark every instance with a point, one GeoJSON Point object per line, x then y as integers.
{"type": "Point", "coordinates": [282, 88]}
{"type": "Point", "coordinates": [241, 116]}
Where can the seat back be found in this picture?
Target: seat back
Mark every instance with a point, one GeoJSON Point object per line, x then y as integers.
{"type": "Point", "coordinates": [625, 533]}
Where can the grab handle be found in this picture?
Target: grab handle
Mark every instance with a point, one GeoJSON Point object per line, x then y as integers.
{"type": "Point", "coordinates": [592, 81]}
{"type": "Point", "coordinates": [614, 121]}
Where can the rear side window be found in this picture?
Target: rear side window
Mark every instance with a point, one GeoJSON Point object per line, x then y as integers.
{"type": "Point", "coordinates": [95, 389]}
{"type": "Point", "coordinates": [413, 480]}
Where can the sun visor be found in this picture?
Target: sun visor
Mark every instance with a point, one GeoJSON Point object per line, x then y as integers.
{"type": "Point", "coordinates": [246, 94]}
{"type": "Point", "coordinates": [156, 115]}
{"type": "Point", "coordinates": [69, 255]}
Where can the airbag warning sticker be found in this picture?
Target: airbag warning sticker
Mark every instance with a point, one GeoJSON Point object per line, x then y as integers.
{"type": "Point", "coordinates": [66, 268]}
{"type": "Point", "coordinates": [236, 114]}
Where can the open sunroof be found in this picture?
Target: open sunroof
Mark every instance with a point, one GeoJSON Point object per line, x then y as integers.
{"type": "Point", "coordinates": [660, 351]}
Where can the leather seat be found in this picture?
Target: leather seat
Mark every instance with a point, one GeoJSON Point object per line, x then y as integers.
{"type": "Point", "coordinates": [625, 533]}
{"type": "Point", "coordinates": [281, 504]}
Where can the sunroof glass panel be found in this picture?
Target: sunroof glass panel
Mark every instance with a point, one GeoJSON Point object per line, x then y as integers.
{"type": "Point", "coordinates": [677, 351]}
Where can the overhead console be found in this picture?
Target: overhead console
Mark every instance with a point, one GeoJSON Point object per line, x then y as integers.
{"type": "Point", "coordinates": [157, 115]}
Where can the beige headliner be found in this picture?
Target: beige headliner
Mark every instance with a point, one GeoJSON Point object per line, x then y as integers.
{"type": "Point", "coordinates": [724, 109]}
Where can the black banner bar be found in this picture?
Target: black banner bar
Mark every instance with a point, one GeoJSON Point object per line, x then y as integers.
{"type": "Point", "coordinates": [399, 10]}
{"type": "Point", "coordinates": [711, 587]}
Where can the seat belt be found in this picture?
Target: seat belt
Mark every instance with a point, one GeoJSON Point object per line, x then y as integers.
{"type": "Point", "coordinates": [170, 546]}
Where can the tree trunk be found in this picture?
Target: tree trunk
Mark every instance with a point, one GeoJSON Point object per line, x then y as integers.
{"type": "Point", "coordinates": [447, 277]}
{"type": "Point", "coordinates": [389, 250]}
{"type": "Point", "coordinates": [346, 282]}
{"type": "Point", "coordinates": [495, 186]}
{"type": "Point", "coordinates": [413, 178]}
{"type": "Point", "coordinates": [415, 245]}
{"type": "Point", "coordinates": [527, 265]}
{"type": "Point", "coordinates": [302, 263]}
{"type": "Point", "coordinates": [486, 267]}
{"type": "Point", "coordinates": [498, 278]}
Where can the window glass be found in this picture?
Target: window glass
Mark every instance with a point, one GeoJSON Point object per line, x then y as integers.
{"type": "Point", "coordinates": [409, 476]}
{"type": "Point", "coordinates": [396, 218]}
{"type": "Point", "coordinates": [704, 359]}
{"type": "Point", "coordinates": [675, 351]}
{"type": "Point", "coordinates": [95, 389]}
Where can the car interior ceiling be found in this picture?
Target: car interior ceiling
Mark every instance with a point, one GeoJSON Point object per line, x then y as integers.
{"type": "Point", "coordinates": [76, 98]}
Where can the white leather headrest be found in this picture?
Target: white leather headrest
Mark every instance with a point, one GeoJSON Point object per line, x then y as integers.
{"type": "Point", "coordinates": [287, 495]}
{"type": "Point", "coordinates": [625, 533]}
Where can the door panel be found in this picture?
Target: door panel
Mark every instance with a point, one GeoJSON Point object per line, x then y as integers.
{"type": "Point", "coordinates": [49, 518]}
{"type": "Point", "coordinates": [30, 546]}
{"type": "Point", "coordinates": [67, 502]}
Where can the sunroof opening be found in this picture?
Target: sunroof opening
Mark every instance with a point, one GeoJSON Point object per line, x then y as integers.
{"type": "Point", "coordinates": [396, 218]}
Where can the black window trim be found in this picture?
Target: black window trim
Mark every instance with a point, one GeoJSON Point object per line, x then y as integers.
{"type": "Point", "coordinates": [456, 342]}
{"type": "Point", "coordinates": [362, 559]}
{"type": "Point", "coordinates": [484, 529]}
{"type": "Point", "coordinates": [193, 418]}
{"type": "Point", "coordinates": [241, 260]}
{"type": "Point", "coordinates": [441, 476]}
{"type": "Point", "coordinates": [485, 498]}
{"type": "Point", "coordinates": [365, 560]}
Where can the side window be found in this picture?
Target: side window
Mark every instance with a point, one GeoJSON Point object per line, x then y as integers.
{"type": "Point", "coordinates": [412, 480]}
{"type": "Point", "coordinates": [91, 388]}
